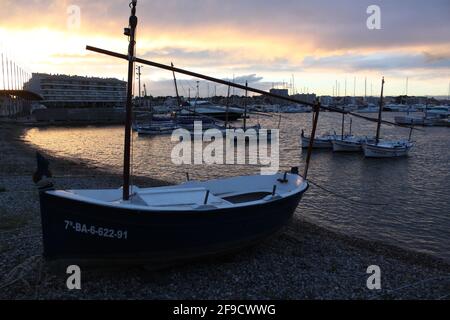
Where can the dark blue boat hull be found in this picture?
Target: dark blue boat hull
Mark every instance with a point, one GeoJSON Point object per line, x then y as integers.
{"type": "Point", "coordinates": [74, 230]}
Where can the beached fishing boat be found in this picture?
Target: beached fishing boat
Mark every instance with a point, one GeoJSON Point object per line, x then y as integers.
{"type": "Point", "coordinates": [163, 225]}
{"type": "Point", "coordinates": [385, 148]}
{"type": "Point", "coordinates": [167, 224]}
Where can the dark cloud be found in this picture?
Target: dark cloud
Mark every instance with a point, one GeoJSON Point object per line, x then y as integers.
{"type": "Point", "coordinates": [435, 57]}
{"type": "Point", "coordinates": [380, 61]}
{"type": "Point", "coordinates": [186, 56]}
{"type": "Point", "coordinates": [327, 23]}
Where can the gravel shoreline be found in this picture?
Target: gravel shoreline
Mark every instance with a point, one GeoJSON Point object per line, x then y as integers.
{"type": "Point", "coordinates": [303, 261]}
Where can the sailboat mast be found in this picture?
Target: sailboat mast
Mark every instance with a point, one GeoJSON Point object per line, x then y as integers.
{"type": "Point", "coordinates": [176, 88]}
{"type": "Point", "coordinates": [228, 105]}
{"type": "Point", "coordinates": [316, 111]}
{"type": "Point", "coordinates": [131, 33]}
{"type": "Point", "coordinates": [448, 95]}
{"type": "Point", "coordinates": [245, 107]}
{"type": "Point", "coordinates": [365, 89]}
{"type": "Point", "coordinates": [406, 90]}
{"type": "Point", "coordinates": [3, 71]}
{"type": "Point", "coordinates": [7, 72]}
{"type": "Point", "coordinates": [345, 90]}
{"type": "Point", "coordinates": [197, 97]}
{"type": "Point", "coordinates": [377, 139]}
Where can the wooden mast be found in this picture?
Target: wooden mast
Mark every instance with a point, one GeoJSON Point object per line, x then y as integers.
{"type": "Point", "coordinates": [316, 111]}
{"type": "Point", "coordinates": [176, 89]}
{"type": "Point", "coordinates": [380, 111]}
{"type": "Point", "coordinates": [131, 33]}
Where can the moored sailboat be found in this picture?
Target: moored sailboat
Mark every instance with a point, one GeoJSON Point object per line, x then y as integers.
{"type": "Point", "coordinates": [385, 148]}
{"type": "Point", "coordinates": [346, 143]}
{"type": "Point", "coordinates": [349, 143]}
{"type": "Point", "coordinates": [324, 141]}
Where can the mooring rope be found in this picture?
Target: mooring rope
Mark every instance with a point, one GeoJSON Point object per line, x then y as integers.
{"type": "Point", "coordinates": [344, 197]}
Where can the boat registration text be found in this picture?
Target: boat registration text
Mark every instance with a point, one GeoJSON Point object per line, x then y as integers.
{"type": "Point", "coordinates": [94, 230]}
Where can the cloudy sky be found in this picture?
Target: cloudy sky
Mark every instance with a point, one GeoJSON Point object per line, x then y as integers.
{"type": "Point", "coordinates": [266, 42]}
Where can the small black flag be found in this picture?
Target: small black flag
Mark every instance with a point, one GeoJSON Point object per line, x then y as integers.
{"type": "Point", "coordinates": [42, 168]}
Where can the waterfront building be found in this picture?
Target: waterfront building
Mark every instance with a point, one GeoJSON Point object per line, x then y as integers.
{"type": "Point", "coordinates": [63, 91]}
{"type": "Point", "coordinates": [280, 92]}
{"type": "Point", "coordinates": [307, 97]}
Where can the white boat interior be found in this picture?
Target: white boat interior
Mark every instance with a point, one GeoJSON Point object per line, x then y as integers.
{"type": "Point", "coordinates": [195, 195]}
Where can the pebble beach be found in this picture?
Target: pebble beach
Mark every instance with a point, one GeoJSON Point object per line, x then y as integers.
{"type": "Point", "coordinates": [303, 261]}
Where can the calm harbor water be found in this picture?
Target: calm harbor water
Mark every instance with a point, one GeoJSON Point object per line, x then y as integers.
{"type": "Point", "coordinates": [415, 189]}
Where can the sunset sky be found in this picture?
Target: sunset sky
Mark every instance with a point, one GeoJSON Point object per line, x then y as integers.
{"type": "Point", "coordinates": [319, 42]}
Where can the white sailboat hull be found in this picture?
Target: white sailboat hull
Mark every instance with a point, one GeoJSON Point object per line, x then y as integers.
{"type": "Point", "coordinates": [386, 150]}
{"type": "Point", "coordinates": [346, 146]}
{"type": "Point", "coordinates": [319, 143]}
